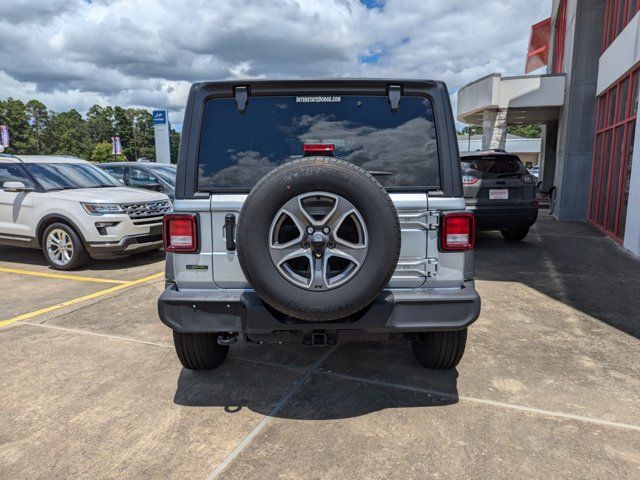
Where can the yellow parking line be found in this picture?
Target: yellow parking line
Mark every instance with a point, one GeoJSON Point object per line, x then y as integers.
{"type": "Point", "coordinates": [77, 278]}
{"type": "Point", "coordinates": [100, 293]}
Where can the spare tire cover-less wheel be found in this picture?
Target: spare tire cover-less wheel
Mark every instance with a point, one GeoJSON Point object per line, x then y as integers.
{"type": "Point", "coordinates": [318, 238]}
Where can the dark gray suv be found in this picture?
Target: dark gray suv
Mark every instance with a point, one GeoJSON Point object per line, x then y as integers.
{"type": "Point", "coordinates": [318, 212]}
{"type": "Point", "coordinates": [501, 193]}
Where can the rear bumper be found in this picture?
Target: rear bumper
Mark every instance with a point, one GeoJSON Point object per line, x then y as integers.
{"type": "Point", "coordinates": [505, 217]}
{"type": "Point", "coordinates": [243, 311]}
{"type": "Point", "coordinates": [126, 246]}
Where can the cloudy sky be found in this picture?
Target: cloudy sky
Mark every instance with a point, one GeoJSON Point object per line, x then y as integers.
{"type": "Point", "coordinates": [74, 53]}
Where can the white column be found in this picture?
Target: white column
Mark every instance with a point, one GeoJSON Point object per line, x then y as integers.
{"type": "Point", "coordinates": [494, 129]}
{"type": "Point", "coordinates": [632, 228]}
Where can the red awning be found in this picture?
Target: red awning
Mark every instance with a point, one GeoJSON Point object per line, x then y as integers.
{"type": "Point", "coordinates": [538, 52]}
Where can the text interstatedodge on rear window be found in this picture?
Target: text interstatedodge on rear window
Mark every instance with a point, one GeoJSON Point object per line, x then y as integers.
{"type": "Point", "coordinates": [318, 99]}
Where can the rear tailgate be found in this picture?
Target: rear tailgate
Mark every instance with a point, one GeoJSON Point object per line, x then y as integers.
{"type": "Point", "coordinates": [498, 192]}
{"type": "Point", "coordinates": [496, 181]}
{"type": "Point", "coordinates": [236, 132]}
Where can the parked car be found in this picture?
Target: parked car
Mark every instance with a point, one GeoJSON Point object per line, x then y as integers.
{"type": "Point", "coordinates": [501, 193]}
{"type": "Point", "coordinates": [72, 210]}
{"type": "Point", "coordinates": [319, 212]}
{"type": "Point", "coordinates": [158, 177]}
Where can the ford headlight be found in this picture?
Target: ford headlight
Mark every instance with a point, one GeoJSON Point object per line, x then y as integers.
{"type": "Point", "coordinates": [102, 208]}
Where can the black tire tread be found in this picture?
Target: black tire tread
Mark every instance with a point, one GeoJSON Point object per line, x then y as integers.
{"type": "Point", "coordinates": [440, 350]}
{"type": "Point", "coordinates": [199, 351]}
{"type": "Point", "coordinates": [515, 234]}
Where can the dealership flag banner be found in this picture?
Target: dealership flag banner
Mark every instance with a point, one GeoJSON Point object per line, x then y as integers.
{"type": "Point", "coordinates": [116, 149]}
{"type": "Point", "coordinates": [4, 135]}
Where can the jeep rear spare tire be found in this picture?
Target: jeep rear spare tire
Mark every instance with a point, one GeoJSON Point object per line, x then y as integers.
{"type": "Point", "coordinates": [318, 238]}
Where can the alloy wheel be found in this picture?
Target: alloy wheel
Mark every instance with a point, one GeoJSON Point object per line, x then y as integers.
{"type": "Point", "coordinates": [59, 247]}
{"type": "Point", "coordinates": [318, 241]}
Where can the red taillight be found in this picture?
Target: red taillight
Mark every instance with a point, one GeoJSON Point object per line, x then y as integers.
{"type": "Point", "coordinates": [180, 232]}
{"type": "Point", "coordinates": [469, 180]}
{"type": "Point", "coordinates": [457, 231]}
{"type": "Point", "coordinates": [318, 147]}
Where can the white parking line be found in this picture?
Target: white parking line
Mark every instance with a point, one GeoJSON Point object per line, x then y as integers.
{"type": "Point", "coordinates": [95, 334]}
{"type": "Point", "coordinates": [484, 401]}
{"type": "Point", "coordinates": [244, 443]}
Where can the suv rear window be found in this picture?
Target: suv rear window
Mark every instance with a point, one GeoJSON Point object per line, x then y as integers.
{"type": "Point", "coordinates": [492, 166]}
{"type": "Point", "coordinates": [238, 149]}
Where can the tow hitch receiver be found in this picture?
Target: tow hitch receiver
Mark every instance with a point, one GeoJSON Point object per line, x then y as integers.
{"type": "Point", "coordinates": [227, 338]}
{"type": "Point", "coordinates": [319, 339]}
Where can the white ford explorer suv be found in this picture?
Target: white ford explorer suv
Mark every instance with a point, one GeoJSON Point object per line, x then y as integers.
{"type": "Point", "coordinates": [73, 210]}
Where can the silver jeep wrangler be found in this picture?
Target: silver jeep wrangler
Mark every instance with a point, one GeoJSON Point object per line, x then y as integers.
{"type": "Point", "coordinates": [319, 211]}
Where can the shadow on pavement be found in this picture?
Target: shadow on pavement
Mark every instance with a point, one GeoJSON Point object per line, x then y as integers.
{"type": "Point", "coordinates": [28, 256]}
{"type": "Point", "coordinates": [570, 262]}
{"type": "Point", "coordinates": [324, 396]}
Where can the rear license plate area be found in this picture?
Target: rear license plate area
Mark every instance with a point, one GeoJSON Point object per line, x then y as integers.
{"type": "Point", "coordinates": [499, 194]}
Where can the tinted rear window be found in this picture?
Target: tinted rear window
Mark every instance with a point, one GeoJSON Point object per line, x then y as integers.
{"type": "Point", "coordinates": [498, 166]}
{"type": "Point", "coordinates": [238, 149]}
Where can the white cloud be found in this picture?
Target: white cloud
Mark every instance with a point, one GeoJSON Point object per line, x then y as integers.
{"type": "Point", "coordinates": [72, 53]}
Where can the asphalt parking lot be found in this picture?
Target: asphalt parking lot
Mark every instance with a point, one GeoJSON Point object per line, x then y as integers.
{"type": "Point", "coordinates": [549, 386]}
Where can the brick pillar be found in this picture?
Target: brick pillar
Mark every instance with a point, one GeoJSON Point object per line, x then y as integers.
{"type": "Point", "coordinates": [494, 128]}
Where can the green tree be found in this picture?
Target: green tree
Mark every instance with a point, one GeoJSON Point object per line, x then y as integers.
{"type": "Point", "coordinates": [470, 128]}
{"type": "Point", "coordinates": [38, 118]}
{"type": "Point", "coordinates": [174, 144]}
{"type": "Point", "coordinates": [527, 131]}
{"type": "Point", "coordinates": [100, 123]}
{"type": "Point", "coordinates": [142, 134]}
{"type": "Point", "coordinates": [123, 128]}
{"type": "Point", "coordinates": [36, 130]}
{"type": "Point", "coordinates": [13, 113]}
{"type": "Point", "coordinates": [102, 153]}
{"type": "Point", "coordinates": [67, 134]}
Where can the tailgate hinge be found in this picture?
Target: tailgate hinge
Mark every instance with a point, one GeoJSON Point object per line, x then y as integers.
{"type": "Point", "coordinates": [433, 220]}
{"type": "Point", "coordinates": [242, 97]}
{"type": "Point", "coordinates": [427, 268]}
{"type": "Point", "coordinates": [432, 267]}
{"type": "Point", "coordinates": [394, 92]}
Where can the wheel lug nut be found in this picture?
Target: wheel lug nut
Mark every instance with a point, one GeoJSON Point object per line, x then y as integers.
{"type": "Point", "coordinates": [305, 244]}
{"type": "Point", "coordinates": [326, 230]}
{"type": "Point", "coordinates": [310, 230]}
{"type": "Point", "coordinates": [331, 245]}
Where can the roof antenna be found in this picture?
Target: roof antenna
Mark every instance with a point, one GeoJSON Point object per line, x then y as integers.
{"type": "Point", "coordinates": [242, 98]}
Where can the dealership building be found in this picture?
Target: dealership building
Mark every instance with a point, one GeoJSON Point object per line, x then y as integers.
{"type": "Point", "coordinates": [587, 102]}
